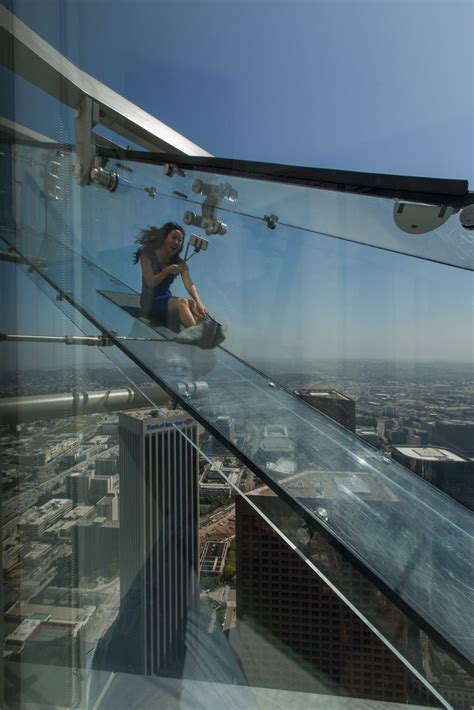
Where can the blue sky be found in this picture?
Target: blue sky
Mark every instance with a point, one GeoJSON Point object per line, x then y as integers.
{"type": "Point", "coordinates": [381, 85]}
{"type": "Point", "coordinates": [376, 85]}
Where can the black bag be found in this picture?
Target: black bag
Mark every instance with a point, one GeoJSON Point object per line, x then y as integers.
{"type": "Point", "coordinates": [206, 334]}
{"type": "Point", "coordinates": [219, 332]}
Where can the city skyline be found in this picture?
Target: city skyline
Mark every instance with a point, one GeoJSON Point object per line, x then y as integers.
{"type": "Point", "coordinates": [401, 409]}
{"type": "Point", "coordinates": [386, 411]}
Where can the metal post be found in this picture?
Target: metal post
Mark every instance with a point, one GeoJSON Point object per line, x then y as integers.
{"type": "Point", "coordinates": [86, 118]}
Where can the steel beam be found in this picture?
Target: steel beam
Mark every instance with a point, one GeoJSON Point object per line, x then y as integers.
{"type": "Point", "coordinates": [17, 410]}
{"type": "Point", "coordinates": [12, 257]}
{"type": "Point", "coordinates": [14, 133]}
{"type": "Point", "coordinates": [28, 55]}
{"type": "Point", "coordinates": [11, 133]}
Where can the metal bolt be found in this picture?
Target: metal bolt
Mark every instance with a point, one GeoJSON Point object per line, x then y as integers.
{"type": "Point", "coordinates": [271, 220]}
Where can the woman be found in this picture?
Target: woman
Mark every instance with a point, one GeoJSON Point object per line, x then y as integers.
{"type": "Point", "coordinates": [161, 264]}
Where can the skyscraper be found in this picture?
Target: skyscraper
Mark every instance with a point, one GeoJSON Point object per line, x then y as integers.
{"type": "Point", "coordinates": [77, 486]}
{"type": "Point", "coordinates": [444, 468]}
{"type": "Point", "coordinates": [280, 593]}
{"type": "Point", "coordinates": [332, 403]}
{"type": "Point", "coordinates": [457, 434]}
{"type": "Point", "coordinates": [159, 537]}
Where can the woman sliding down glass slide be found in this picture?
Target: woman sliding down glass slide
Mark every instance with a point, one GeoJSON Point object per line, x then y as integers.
{"type": "Point", "coordinates": [160, 261]}
{"type": "Point", "coordinates": [161, 264]}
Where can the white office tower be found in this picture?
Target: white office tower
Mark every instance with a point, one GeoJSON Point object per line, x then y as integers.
{"type": "Point", "coordinates": [159, 537]}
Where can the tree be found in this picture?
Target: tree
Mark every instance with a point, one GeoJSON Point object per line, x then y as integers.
{"type": "Point", "coordinates": [230, 566]}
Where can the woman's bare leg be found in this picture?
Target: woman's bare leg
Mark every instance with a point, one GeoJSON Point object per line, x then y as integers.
{"type": "Point", "coordinates": [193, 310]}
{"type": "Point", "coordinates": [180, 307]}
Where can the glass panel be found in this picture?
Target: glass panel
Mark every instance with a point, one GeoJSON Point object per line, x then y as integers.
{"type": "Point", "coordinates": [244, 639]}
{"type": "Point", "coordinates": [358, 520]}
{"type": "Point", "coordinates": [328, 464]}
{"type": "Point", "coordinates": [252, 633]}
{"type": "Point", "coordinates": [418, 229]}
{"type": "Point", "coordinates": [366, 498]}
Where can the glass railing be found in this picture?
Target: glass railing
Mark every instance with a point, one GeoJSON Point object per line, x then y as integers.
{"type": "Point", "coordinates": [339, 209]}
{"type": "Point", "coordinates": [300, 276]}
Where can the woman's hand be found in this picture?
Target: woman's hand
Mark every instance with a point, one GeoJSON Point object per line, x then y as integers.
{"type": "Point", "coordinates": [173, 269]}
{"type": "Point", "coordinates": [201, 309]}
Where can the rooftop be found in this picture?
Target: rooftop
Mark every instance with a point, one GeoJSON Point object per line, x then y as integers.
{"type": "Point", "coordinates": [99, 520]}
{"type": "Point", "coordinates": [279, 444]}
{"type": "Point", "coordinates": [332, 485]}
{"type": "Point", "coordinates": [430, 453]}
{"type": "Point", "coordinates": [283, 466]}
{"type": "Point", "coordinates": [24, 630]}
{"type": "Point", "coordinates": [311, 392]}
{"type": "Point", "coordinates": [56, 613]}
{"type": "Point", "coordinates": [145, 414]}
{"type": "Point", "coordinates": [80, 511]}
{"type": "Point", "coordinates": [275, 430]}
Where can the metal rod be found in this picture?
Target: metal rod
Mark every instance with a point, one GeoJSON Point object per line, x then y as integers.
{"type": "Point", "coordinates": [12, 257]}
{"type": "Point", "coordinates": [19, 410]}
{"type": "Point", "coordinates": [15, 132]}
{"type": "Point", "coordinates": [14, 410]}
{"type": "Point", "coordinates": [99, 340]}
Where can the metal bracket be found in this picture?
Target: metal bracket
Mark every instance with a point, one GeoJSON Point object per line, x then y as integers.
{"type": "Point", "coordinates": [87, 117]}
{"type": "Point", "coordinates": [208, 220]}
{"type": "Point", "coordinates": [63, 296]}
{"type": "Point", "coordinates": [271, 220]}
{"type": "Point", "coordinates": [171, 169]}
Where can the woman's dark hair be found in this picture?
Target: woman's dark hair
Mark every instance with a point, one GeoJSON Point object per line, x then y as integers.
{"type": "Point", "coordinates": [154, 237]}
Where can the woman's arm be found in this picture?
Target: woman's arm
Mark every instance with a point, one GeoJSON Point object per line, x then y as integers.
{"type": "Point", "coordinates": [192, 290]}
{"type": "Point", "coordinates": [152, 280]}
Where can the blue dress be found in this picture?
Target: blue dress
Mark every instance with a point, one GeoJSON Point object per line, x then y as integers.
{"type": "Point", "coordinates": [154, 301]}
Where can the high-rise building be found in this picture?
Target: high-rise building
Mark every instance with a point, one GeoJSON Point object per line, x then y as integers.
{"type": "Point", "coordinates": [445, 469]}
{"type": "Point", "coordinates": [100, 486]}
{"type": "Point", "coordinates": [108, 507]}
{"type": "Point", "coordinates": [159, 536]}
{"type": "Point", "coordinates": [278, 591]}
{"type": "Point", "coordinates": [332, 403]}
{"type": "Point", "coordinates": [95, 547]}
{"type": "Point", "coordinates": [213, 447]}
{"type": "Point", "coordinates": [105, 466]}
{"type": "Point", "coordinates": [77, 486]}
{"type": "Point", "coordinates": [455, 434]}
